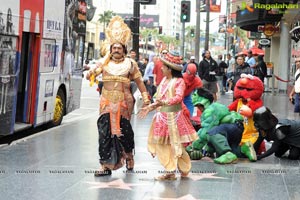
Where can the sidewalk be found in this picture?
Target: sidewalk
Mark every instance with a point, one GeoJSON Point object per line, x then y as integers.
{"type": "Point", "coordinates": [58, 164]}
{"type": "Point", "coordinates": [278, 103]}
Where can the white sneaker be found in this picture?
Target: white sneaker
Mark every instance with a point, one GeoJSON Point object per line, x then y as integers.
{"type": "Point", "coordinates": [229, 92]}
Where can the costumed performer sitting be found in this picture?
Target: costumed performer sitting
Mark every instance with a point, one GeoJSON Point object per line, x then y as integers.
{"type": "Point", "coordinates": [221, 130]}
{"type": "Point", "coordinates": [248, 92]}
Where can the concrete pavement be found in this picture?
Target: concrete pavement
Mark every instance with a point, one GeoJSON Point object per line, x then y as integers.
{"type": "Point", "coordinates": [59, 163]}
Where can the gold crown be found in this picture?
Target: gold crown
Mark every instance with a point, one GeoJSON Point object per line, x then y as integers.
{"type": "Point", "coordinates": [117, 31]}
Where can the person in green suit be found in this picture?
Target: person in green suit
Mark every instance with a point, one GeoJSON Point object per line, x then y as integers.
{"type": "Point", "coordinates": [221, 130]}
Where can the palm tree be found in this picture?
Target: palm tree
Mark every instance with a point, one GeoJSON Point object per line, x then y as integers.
{"type": "Point", "coordinates": [146, 34]}
{"type": "Point", "coordinates": [168, 40]}
{"type": "Point", "coordinates": [105, 18]}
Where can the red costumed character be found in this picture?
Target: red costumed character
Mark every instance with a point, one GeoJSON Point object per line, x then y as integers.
{"type": "Point", "coordinates": [192, 81]}
{"type": "Point", "coordinates": [247, 93]}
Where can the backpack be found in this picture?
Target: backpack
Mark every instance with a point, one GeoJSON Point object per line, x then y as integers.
{"type": "Point", "coordinates": [260, 70]}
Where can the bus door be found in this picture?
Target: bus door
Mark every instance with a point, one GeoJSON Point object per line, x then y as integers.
{"type": "Point", "coordinates": [28, 78]}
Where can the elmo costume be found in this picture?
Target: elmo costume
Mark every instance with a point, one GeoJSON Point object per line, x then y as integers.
{"type": "Point", "coordinates": [247, 93]}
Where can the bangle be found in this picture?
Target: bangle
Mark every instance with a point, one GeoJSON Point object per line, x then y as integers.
{"type": "Point", "coordinates": [145, 97]}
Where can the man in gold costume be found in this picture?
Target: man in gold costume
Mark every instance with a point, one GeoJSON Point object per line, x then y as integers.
{"type": "Point", "coordinates": [116, 137]}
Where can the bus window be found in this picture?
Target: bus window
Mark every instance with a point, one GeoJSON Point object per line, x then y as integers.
{"type": "Point", "coordinates": [49, 57]}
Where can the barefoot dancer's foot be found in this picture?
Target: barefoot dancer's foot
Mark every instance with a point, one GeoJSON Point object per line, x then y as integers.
{"type": "Point", "coordinates": [184, 174]}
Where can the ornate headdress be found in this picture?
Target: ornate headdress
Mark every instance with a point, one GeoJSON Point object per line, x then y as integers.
{"type": "Point", "coordinates": [117, 31]}
{"type": "Point", "coordinates": [173, 60]}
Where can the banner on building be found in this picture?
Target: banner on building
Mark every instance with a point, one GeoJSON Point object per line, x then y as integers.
{"type": "Point", "coordinates": [215, 5]}
{"type": "Point", "coordinates": [222, 23]}
{"type": "Point", "coordinates": [147, 21]}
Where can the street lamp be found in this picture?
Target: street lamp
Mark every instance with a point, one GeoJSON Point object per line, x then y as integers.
{"type": "Point", "coordinates": [207, 21]}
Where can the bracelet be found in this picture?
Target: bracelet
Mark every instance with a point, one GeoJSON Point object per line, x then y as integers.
{"type": "Point", "coordinates": [145, 97]}
{"type": "Point", "coordinates": [97, 71]}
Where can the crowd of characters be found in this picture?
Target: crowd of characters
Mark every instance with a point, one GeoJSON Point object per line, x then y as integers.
{"type": "Point", "coordinates": [179, 91]}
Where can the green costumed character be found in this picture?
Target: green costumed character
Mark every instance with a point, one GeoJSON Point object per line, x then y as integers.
{"type": "Point", "coordinates": [221, 130]}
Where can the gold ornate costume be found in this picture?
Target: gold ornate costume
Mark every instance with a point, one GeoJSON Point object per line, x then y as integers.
{"type": "Point", "coordinates": [117, 75]}
{"type": "Point", "coordinates": [116, 97]}
{"type": "Point", "coordinates": [117, 101]}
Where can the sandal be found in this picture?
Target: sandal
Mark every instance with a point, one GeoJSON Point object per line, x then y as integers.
{"type": "Point", "coordinates": [102, 172]}
{"type": "Point", "coordinates": [129, 161]}
{"type": "Point", "coordinates": [129, 164]}
{"type": "Point", "coordinates": [166, 177]}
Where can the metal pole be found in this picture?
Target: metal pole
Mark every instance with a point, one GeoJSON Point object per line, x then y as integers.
{"type": "Point", "coordinates": [225, 37]}
{"type": "Point", "coordinates": [207, 25]}
{"type": "Point", "coordinates": [227, 22]}
{"type": "Point", "coordinates": [136, 29]}
{"type": "Point", "coordinates": [197, 36]}
{"type": "Point", "coordinates": [182, 40]}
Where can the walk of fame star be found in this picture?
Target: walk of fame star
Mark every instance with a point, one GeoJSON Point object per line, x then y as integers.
{"type": "Point", "coordinates": [115, 184]}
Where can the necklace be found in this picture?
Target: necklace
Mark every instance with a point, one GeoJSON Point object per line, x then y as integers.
{"type": "Point", "coordinates": [118, 69]}
{"type": "Point", "coordinates": [117, 60]}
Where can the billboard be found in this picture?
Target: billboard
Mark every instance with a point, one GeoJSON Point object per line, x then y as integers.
{"type": "Point", "coordinates": [215, 5]}
{"type": "Point", "coordinates": [147, 21]}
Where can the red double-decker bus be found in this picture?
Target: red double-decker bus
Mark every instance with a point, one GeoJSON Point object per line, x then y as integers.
{"type": "Point", "coordinates": [41, 59]}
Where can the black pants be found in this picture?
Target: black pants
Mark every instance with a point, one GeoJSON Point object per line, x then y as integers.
{"type": "Point", "coordinates": [294, 153]}
{"type": "Point", "coordinates": [109, 144]}
{"type": "Point", "coordinates": [226, 137]}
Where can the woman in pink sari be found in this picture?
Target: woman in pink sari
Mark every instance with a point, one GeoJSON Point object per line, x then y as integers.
{"type": "Point", "coordinates": [170, 128]}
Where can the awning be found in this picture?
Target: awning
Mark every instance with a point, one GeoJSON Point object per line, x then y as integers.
{"type": "Point", "coordinates": [255, 51]}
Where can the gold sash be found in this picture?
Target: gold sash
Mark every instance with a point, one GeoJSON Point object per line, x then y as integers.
{"type": "Point", "coordinates": [116, 97]}
{"type": "Point", "coordinates": [120, 79]}
{"type": "Point", "coordinates": [170, 108]}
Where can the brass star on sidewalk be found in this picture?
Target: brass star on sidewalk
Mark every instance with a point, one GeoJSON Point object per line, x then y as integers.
{"type": "Point", "coordinates": [116, 184]}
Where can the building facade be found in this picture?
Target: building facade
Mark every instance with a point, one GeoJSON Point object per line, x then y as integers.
{"type": "Point", "coordinates": [278, 21]}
